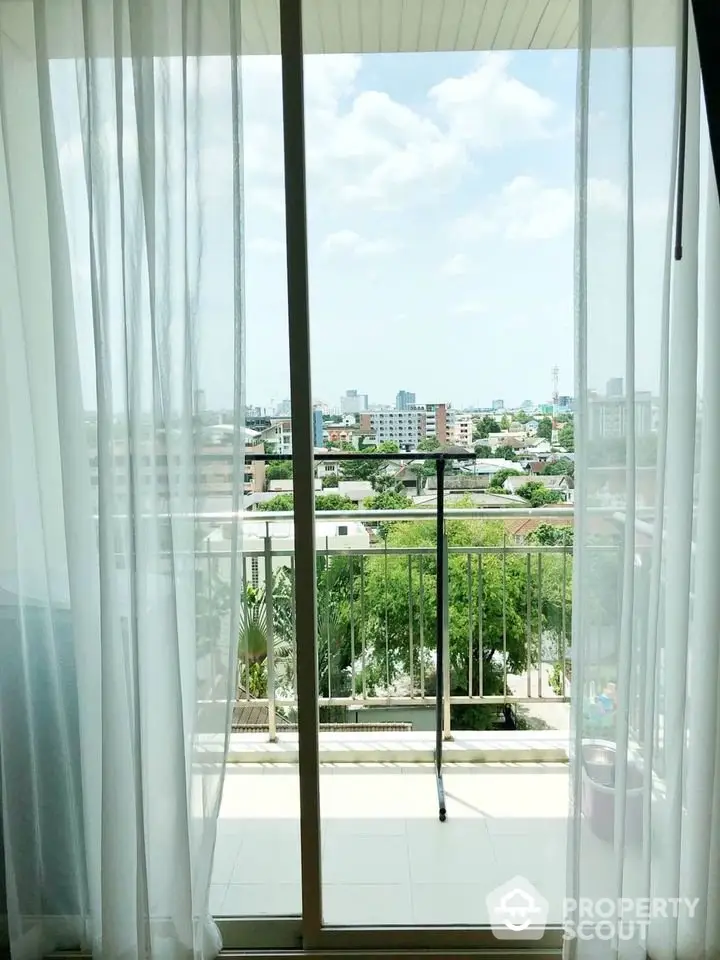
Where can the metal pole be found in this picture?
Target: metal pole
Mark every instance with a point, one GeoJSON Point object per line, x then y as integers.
{"type": "Point", "coordinates": [291, 47]}
{"type": "Point", "coordinates": [440, 632]}
{"type": "Point", "coordinates": [270, 614]}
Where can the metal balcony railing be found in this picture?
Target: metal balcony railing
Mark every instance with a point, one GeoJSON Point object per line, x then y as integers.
{"type": "Point", "coordinates": [506, 617]}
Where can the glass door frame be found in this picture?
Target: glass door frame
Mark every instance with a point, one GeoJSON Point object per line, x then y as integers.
{"type": "Point", "coordinates": [308, 932]}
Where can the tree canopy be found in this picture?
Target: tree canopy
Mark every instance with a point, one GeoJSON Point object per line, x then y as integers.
{"type": "Point", "coordinates": [334, 501]}
{"type": "Point", "coordinates": [505, 422]}
{"type": "Point", "coordinates": [545, 428]}
{"type": "Point", "coordinates": [484, 426]}
{"type": "Point", "coordinates": [279, 470]}
{"type": "Point", "coordinates": [371, 468]}
{"type": "Point", "coordinates": [559, 468]}
{"type": "Point", "coordinates": [538, 495]}
{"type": "Point", "coordinates": [566, 437]}
{"type": "Point", "coordinates": [283, 501]}
{"type": "Point", "coordinates": [498, 479]}
{"type": "Point", "coordinates": [483, 451]}
{"type": "Point", "coordinates": [505, 452]}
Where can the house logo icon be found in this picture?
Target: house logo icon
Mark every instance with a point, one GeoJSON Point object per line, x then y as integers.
{"type": "Point", "coordinates": [517, 910]}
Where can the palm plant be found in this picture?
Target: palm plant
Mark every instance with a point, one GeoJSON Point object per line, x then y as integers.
{"type": "Point", "coordinates": [254, 635]}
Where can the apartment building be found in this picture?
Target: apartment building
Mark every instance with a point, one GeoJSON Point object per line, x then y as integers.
{"type": "Point", "coordinates": [607, 415]}
{"type": "Point", "coordinates": [439, 420]}
{"type": "Point", "coordinates": [462, 430]}
{"type": "Point", "coordinates": [405, 400]}
{"type": "Point", "coordinates": [158, 473]}
{"type": "Point", "coordinates": [353, 402]}
{"type": "Point", "coordinates": [406, 428]}
{"type": "Point", "coordinates": [278, 436]}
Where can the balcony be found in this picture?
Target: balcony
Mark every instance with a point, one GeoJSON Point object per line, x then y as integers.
{"type": "Point", "coordinates": [387, 859]}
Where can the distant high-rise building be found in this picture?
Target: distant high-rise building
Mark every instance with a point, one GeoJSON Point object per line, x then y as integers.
{"type": "Point", "coordinates": [318, 428]}
{"type": "Point", "coordinates": [498, 404]}
{"type": "Point", "coordinates": [615, 387]}
{"type": "Point", "coordinates": [353, 402]}
{"type": "Point", "coordinates": [404, 400]}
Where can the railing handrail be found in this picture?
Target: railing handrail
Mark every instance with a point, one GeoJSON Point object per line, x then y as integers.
{"type": "Point", "coordinates": [412, 513]}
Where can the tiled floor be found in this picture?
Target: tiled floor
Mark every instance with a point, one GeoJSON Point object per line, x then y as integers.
{"type": "Point", "coordinates": [386, 857]}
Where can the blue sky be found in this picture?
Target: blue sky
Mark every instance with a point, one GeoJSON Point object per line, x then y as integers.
{"type": "Point", "coordinates": [440, 199]}
{"type": "Point", "coordinates": [441, 209]}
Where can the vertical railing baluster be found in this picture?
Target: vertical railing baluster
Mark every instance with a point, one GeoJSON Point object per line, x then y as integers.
{"type": "Point", "coordinates": [293, 633]}
{"type": "Point", "coordinates": [528, 625]}
{"type": "Point", "coordinates": [410, 610]}
{"type": "Point", "coordinates": [470, 626]}
{"type": "Point", "coordinates": [269, 609]}
{"type": "Point", "coordinates": [481, 684]}
{"type": "Point", "coordinates": [352, 626]}
{"type": "Point", "coordinates": [362, 627]}
{"type": "Point", "coordinates": [504, 616]}
{"type": "Point", "coordinates": [387, 639]}
{"type": "Point", "coordinates": [447, 734]}
{"type": "Point", "coordinates": [563, 625]}
{"type": "Point", "coordinates": [421, 598]}
{"type": "Point", "coordinates": [327, 617]}
{"type": "Point", "coordinates": [245, 622]}
{"type": "Point", "coordinates": [540, 631]}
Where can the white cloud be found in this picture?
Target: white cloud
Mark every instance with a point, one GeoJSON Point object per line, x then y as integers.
{"type": "Point", "coordinates": [490, 108]}
{"type": "Point", "coordinates": [526, 209]}
{"type": "Point", "coordinates": [456, 265]}
{"type": "Point", "coordinates": [364, 146]}
{"type": "Point", "coordinates": [351, 242]}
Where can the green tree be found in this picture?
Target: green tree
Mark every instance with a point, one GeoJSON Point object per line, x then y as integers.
{"type": "Point", "coordinates": [279, 470]}
{"type": "Point", "coordinates": [483, 451]}
{"type": "Point", "coordinates": [538, 495]}
{"type": "Point", "coordinates": [559, 468]}
{"type": "Point", "coordinates": [549, 535]}
{"type": "Point", "coordinates": [371, 468]}
{"type": "Point", "coordinates": [428, 445]}
{"type": "Point", "coordinates": [505, 422]}
{"type": "Point", "coordinates": [505, 452]}
{"type": "Point", "coordinates": [484, 426]}
{"type": "Point", "coordinates": [521, 417]}
{"type": "Point", "coordinates": [498, 479]}
{"type": "Point", "coordinates": [566, 437]}
{"type": "Point", "coordinates": [334, 501]}
{"type": "Point", "coordinates": [545, 428]}
{"type": "Point", "coordinates": [329, 480]}
{"type": "Point", "coordinates": [283, 501]}
{"type": "Point", "coordinates": [389, 500]}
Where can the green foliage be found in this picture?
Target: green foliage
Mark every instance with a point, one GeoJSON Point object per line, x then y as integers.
{"type": "Point", "coordinates": [283, 501]}
{"type": "Point", "coordinates": [498, 479]}
{"type": "Point", "coordinates": [279, 470]}
{"type": "Point", "coordinates": [549, 535]}
{"type": "Point", "coordinates": [333, 501]}
{"type": "Point", "coordinates": [484, 426]}
{"type": "Point", "coordinates": [521, 417]}
{"type": "Point", "coordinates": [505, 422]}
{"type": "Point", "coordinates": [389, 500]}
{"type": "Point", "coordinates": [566, 437]}
{"type": "Point", "coordinates": [505, 453]}
{"type": "Point", "coordinates": [538, 495]}
{"type": "Point", "coordinates": [556, 678]}
{"type": "Point", "coordinates": [559, 468]}
{"type": "Point", "coordinates": [428, 445]}
{"type": "Point", "coordinates": [545, 428]}
{"type": "Point", "coordinates": [483, 451]}
{"type": "Point", "coordinates": [386, 483]}
{"type": "Point", "coordinates": [368, 469]}
{"type": "Point", "coordinates": [329, 480]}
{"type": "Point", "coordinates": [253, 638]}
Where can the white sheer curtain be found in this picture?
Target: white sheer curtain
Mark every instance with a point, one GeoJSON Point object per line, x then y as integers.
{"type": "Point", "coordinates": [120, 323]}
{"type": "Point", "coordinates": [646, 677]}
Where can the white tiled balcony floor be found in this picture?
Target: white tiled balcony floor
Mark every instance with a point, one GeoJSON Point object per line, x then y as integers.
{"type": "Point", "coordinates": [387, 859]}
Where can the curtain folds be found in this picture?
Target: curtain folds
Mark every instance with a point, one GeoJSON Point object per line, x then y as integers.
{"type": "Point", "coordinates": [645, 830]}
{"type": "Point", "coordinates": [121, 322]}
